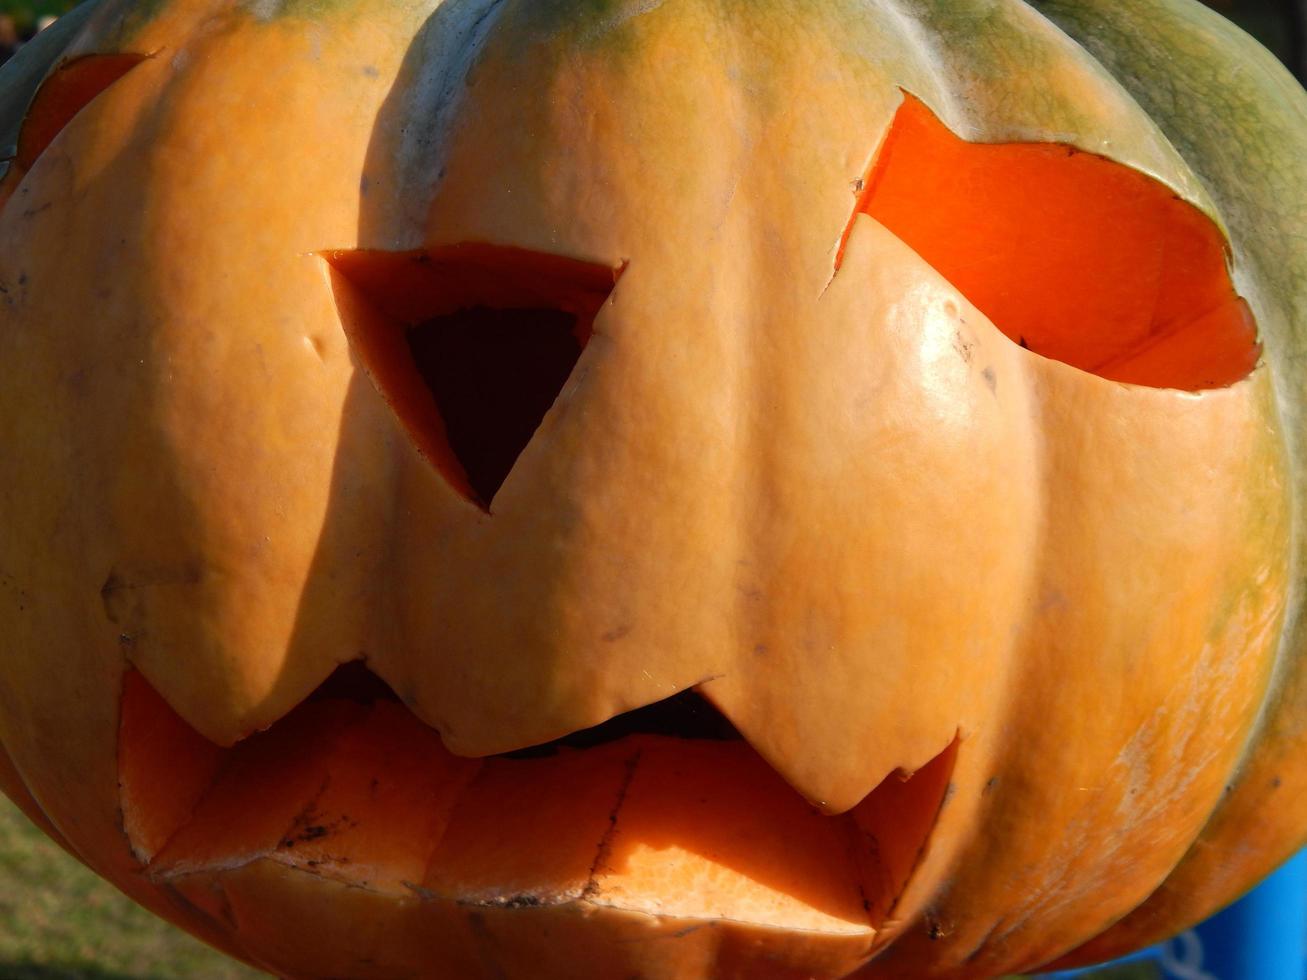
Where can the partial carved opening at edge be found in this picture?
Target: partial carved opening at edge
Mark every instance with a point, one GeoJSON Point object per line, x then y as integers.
{"type": "Point", "coordinates": [1071, 255]}
{"type": "Point", "coordinates": [352, 787]}
{"type": "Point", "coordinates": [65, 92]}
{"type": "Point", "coordinates": [470, 345]}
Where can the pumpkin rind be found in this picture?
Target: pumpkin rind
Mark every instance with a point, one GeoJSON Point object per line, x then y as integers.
{"type": "Point", "coordinates": [1232, 110]}
{"type": "Point", "coordinates": [1082, 582]}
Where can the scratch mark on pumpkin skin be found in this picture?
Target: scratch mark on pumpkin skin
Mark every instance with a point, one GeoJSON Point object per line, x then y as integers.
{"type": "Point", "coordinates": [225, 923]}
{"type": "Point", "coordinates": [318, 346]}
{"type": "Point", "coordinates": [121, 592]}
{"type": "Point", "coordinates": [485, 945]}
{"type": "Point", "coordinates": [983, 945]}
{"type": "Point", "coordinates": [605, 848]}
{"type": "Point", "coordinates": [307, 825]}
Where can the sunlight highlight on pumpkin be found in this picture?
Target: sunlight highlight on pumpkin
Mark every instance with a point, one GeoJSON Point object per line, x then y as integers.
{"type": "Point", "coordinates": [1074, 256]}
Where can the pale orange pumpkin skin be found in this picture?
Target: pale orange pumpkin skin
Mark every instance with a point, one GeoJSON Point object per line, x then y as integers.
{"type": "Point", "coordinates": [1089, 591]}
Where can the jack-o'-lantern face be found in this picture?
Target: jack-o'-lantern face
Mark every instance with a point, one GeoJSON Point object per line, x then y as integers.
{"type": "Point", "coordinates": [618, 488]}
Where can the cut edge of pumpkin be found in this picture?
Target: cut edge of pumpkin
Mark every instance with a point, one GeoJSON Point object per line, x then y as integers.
{"type": "Point", "coordinates": [1071, 255]}
{"type": "Point", "coordinates": [362, 793]}
{"type": "Point", "coordinates": [469, 344]}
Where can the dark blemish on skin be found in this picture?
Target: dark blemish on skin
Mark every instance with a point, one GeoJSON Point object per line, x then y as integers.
{"type": "Point", "coordinates": [1275, 782]}
{"type": "Point", "coordinates": [613, 635]}
{"type": "Point", "coordinates": [11, 586]}
{"type": "Point", "coordinates": [308, 833]}
{"type": "Point", "coordinates": [991, 379]}
{"type": "Point", "coordinates": [857, 185]}
{"type": "Point", "coordinates": [760, 649]}
{"type": "Point", "coordinates": [963, 347]}
{"type": "Point", "coordinates": [990, 783]}
{"type": "Point", "coordinates": [122, 592]}
{"type": "Point", "coordinates": [371, 71]}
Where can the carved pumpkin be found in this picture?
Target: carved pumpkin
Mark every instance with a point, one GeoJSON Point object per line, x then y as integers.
{"type": "Point", "coordinates": [701, 488]}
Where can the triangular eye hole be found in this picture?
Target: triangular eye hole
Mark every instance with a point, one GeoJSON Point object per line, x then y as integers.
{"type": "Point", "coordinates": [470, 345]}
{"type": "Point", "coordinates": [1072, 255]}
{"type": "Point", "coordinates": [65, 92]}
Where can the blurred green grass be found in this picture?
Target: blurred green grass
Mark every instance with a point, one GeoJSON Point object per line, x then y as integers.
{"type": "Point", "coordinates": [58, 921]}
{"type": "Point", "coordinates": [26, 12]}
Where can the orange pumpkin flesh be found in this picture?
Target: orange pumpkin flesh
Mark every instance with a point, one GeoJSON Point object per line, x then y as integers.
{"type": "Point", "coordinates": [803, 466]}
{"type": "Point", "coordinates": [361, 793]}
{"type": "Point", "coordinates": [1069, 255]}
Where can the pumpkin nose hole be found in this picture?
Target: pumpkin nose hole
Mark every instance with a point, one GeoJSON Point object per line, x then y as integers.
{"type": "Point", "coordinates": [686, 715]}
{"type": "Point", "coordinates": [494, 374]}
{"type": "Point", "coordinates": [355, 682]}
{"type": "Point", "coordinates": [470, 345]}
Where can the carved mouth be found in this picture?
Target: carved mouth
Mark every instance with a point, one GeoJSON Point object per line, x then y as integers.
{"type": "Point", "coordinates": [665, 811]}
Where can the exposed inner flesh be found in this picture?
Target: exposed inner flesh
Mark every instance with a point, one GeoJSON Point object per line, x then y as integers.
{"type": "Point", "coordinates": [1071, 255]}
{"type": "Point", "coordinates": [351, 786]}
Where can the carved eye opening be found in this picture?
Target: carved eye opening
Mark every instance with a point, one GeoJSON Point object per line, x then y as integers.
{"type": "Point", "coordinates": [1071, 255]}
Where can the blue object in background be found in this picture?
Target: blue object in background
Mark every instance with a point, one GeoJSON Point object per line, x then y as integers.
{"type": "Point", "coordinates": [1263, 936]}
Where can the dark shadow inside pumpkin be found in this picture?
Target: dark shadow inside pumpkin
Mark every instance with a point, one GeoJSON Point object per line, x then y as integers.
{"type": "Point", "coordinates": [469, 344]}
{"type": "Point", "coordinates": [1071, 255]}
{"type": "Point", "coordinates": [665, 810]}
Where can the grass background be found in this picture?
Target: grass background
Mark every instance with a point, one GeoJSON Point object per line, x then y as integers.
{"type": "Point", "coordinates": [25, 14]}
{"type": "Point", "coordinates": [58, 921]}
